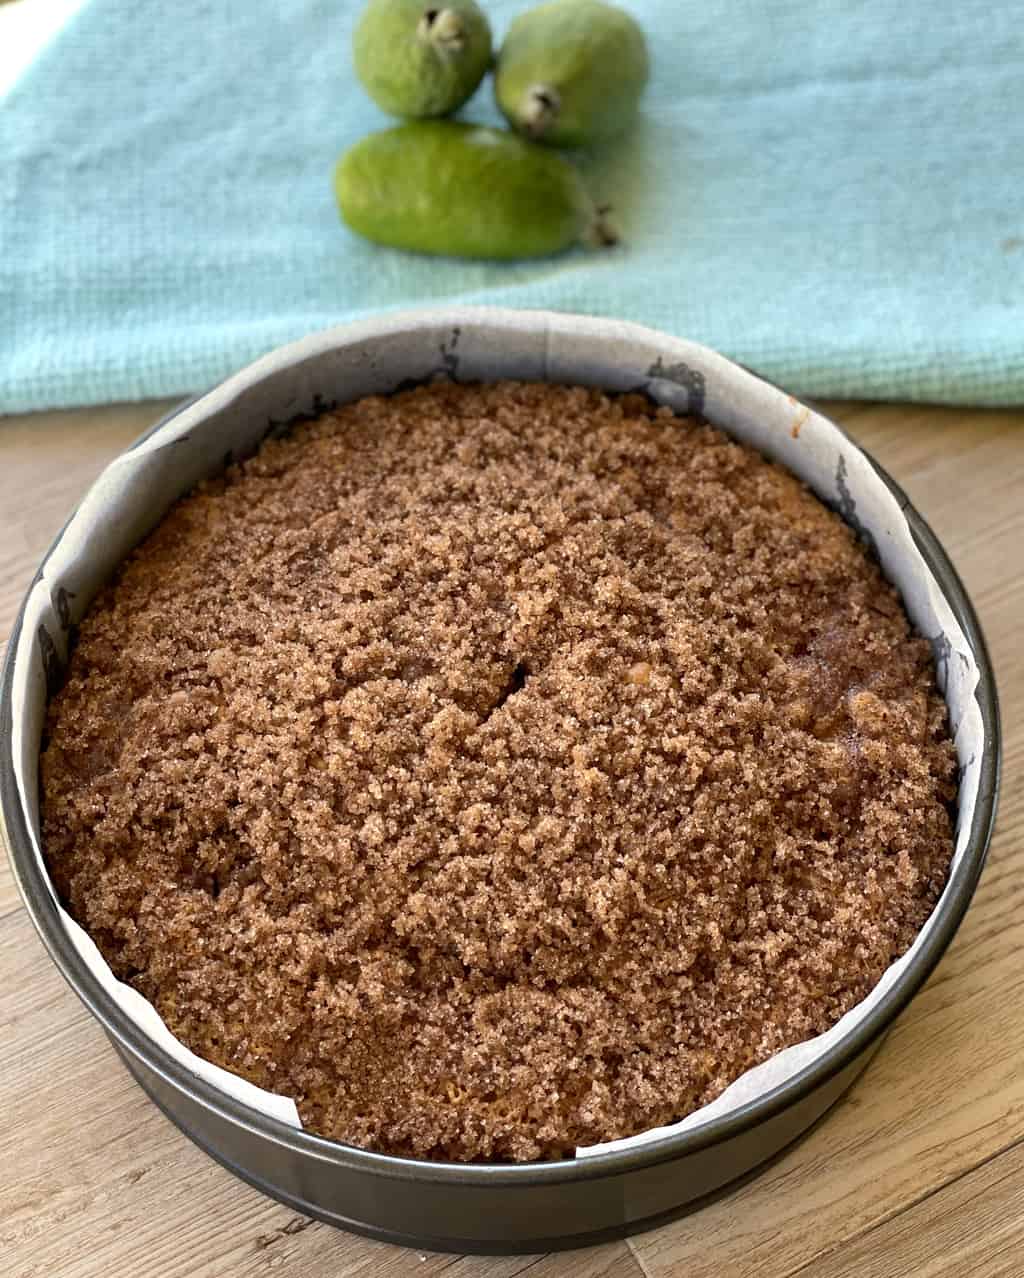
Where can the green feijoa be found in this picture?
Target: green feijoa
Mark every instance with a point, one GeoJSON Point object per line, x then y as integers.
{"type": "Point", "coordinates": [463, 190]}
{"type": "Point", "coordinates": [416, 59]}
{"type": "Point", "coordinates": [571, 73]}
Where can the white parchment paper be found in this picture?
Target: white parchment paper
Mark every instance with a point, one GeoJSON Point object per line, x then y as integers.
{"type": "Point", "coordinates": [377, 356]}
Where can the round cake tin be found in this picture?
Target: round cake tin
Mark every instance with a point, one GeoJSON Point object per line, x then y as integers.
{"type": "Point", "coordinates": [445, 1206]}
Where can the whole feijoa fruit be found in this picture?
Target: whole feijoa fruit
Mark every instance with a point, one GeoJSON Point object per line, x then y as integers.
{"type": "Point", "coordinates": [571, 73]}
{"type": "Point", "coordinates": [416, 59]}
{"type": "Point", "coordinates": [464, 190]}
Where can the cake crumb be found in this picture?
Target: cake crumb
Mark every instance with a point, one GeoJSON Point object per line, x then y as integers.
{"type": "Point", "coordinates": [496, 769]}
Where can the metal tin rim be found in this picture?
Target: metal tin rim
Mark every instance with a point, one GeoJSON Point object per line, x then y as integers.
{"type": "Point", "coordinates": [38, 902]}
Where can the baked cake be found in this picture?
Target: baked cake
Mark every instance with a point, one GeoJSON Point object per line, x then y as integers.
{"type": "Point", "coordinates": [499, 769]}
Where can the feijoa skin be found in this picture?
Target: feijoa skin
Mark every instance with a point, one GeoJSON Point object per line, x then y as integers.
{"type": "Point", "coordinates": [417, 59]}
{"type": "Point", "coordinates": [571, 73]}
{"type": "Point", "coordinates": [463, 190]}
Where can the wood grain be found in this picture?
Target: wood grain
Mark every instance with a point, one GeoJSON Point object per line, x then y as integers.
{"type": "Point", "coordinates": [47, 461]}
{"type": "Point", "coordinates": [919, 1171]}
{"type": "Point", "coordinates": [973, 1226]}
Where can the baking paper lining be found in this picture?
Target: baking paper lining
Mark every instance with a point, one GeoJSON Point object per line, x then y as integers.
{"type": "Point", "coordinates": [134, 492]}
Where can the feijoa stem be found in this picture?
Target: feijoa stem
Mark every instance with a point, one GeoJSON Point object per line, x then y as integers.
{"type": "Point", "coordinates": [602, 231]}
{"type": "Point", "coordinates": [443, 28]}
{"type": "Point", "coordinates": [540, 109]}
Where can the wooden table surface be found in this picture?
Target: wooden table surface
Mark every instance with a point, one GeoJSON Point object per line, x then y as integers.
{"type": "Point", "coordinates": [919, 1171]}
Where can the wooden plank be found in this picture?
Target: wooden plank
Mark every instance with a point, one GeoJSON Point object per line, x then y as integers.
{"type": "Point", "coordinates": [47, 461]}
{"type": "Point", "coordinates": [974, 1226]}
{"type": "Point", "coordinates": [614, 1260]}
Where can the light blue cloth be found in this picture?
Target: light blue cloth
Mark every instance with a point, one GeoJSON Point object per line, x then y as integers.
{"type": "Point", "coordinates": [831, 191]}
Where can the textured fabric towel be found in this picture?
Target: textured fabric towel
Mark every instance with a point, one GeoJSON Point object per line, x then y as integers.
{"type": "Point", "coordinates": [831, 191]}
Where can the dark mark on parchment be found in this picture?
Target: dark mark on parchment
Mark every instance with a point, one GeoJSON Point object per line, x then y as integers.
{"type": "Point", "coordinates": [280, 428]}
{"type": "Point", "coordinates": [53, 667]}
{"type": "Point", "coordinates": [942, 650]}
{"type": "Point", "coordinates": [847, 507]}
{"type": "Point", "coordinates": [449, 356]}
{"type": "Point", "coordinates": [692, 380]}
{"type": "Point", "coordinates": [446, 371]}
{"type": "Point", "coordinates": [410, 383]}
{"type": "Point", "coordinates": [64, 598]}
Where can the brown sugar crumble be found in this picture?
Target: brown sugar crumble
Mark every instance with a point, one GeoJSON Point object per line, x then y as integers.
{"type": "Point", "coordinates": [497, 769]}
